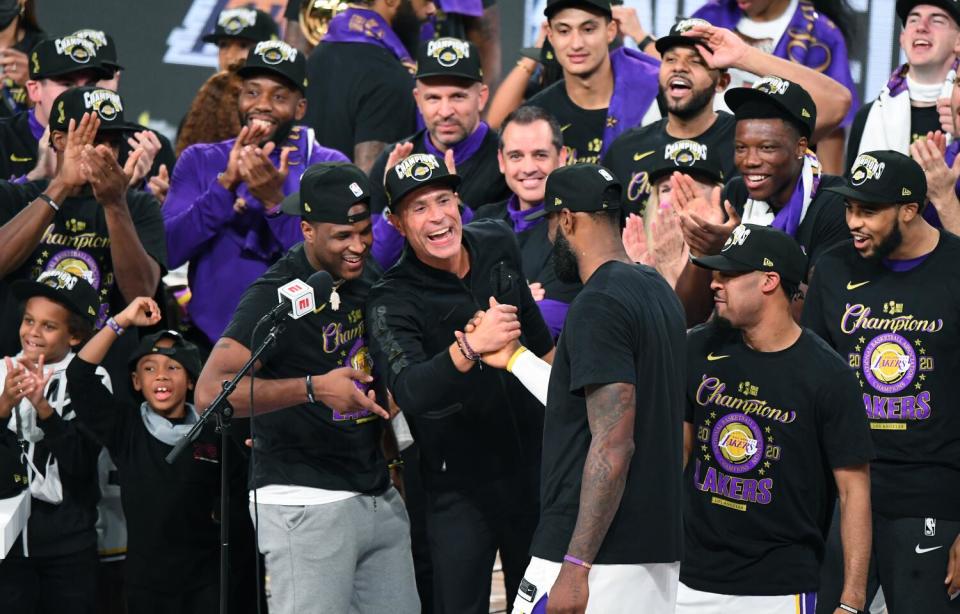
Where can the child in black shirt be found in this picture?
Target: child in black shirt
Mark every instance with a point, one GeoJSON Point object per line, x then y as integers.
{"type": "Point", "coordinates": [170, 509]}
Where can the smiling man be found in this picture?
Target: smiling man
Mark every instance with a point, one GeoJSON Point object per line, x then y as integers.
{"type": "Point", "coordinates": [222, 213]}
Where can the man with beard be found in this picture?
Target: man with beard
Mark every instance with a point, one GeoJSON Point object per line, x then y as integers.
{"type": "Point", "coordinates": [360, 77]}
{"type": "Point", "coordinates": [221, 212]}
{"type": "Point", "coordinates": [450, 95]}
{"type": "Point", "coordinates": [762, 393]}
{"type": "Point", "coordinates": [888, 303]}
{"type": "Point", "coordinates": [478, 431]}
{"type": "Point", "coordinates": [531, 147]}
{"type": "Point", "coordinates": [694, 61]}
{"type": "Point", "coordinates": [236, 32]}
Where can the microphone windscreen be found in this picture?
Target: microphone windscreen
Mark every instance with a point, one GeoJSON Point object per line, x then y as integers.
{"type": "Point", "coordinates": [322, 284]}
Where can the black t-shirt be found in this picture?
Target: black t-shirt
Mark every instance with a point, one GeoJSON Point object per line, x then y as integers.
{"type": "Point", "coordinates": [632, 155]}
{"type": "Point", "coordinates": [769, 428]}
{"type": "Point", "coordinates": [311, 444]}
{"type": "Point", "coordinates": [358, 93]}
{"type": "Point", "coordinates": [18, 147]}
{"type": "Point", "coordinates": [582, 128]}
{"type": "Point", "coordinates": [922, 121]}
{"type": "Point", "coordinates": [481, 181]}
{"type": "Point", "coordinates": [823, 226]}
{"type": "Point", "coordinates": [628, 326]}
{"type": "Point", "coordinates": [900, 332]}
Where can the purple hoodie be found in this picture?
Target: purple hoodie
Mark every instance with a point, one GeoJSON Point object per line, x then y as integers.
{"type": "Point", "coordinates": [227, 251]}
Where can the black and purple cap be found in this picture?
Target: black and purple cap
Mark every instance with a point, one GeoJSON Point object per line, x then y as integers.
{"type": "Point", "coordinates": [327, 193]}
{"type": "Point", "coordinates": [952, 7]}
{"type": "Point", "coordinates": [687, 156]}
{"type": "Point", "coordinates": [244, 23]}
{"type": "Point", "coordinates": [884, 178]}
{"type": "Point", "coordinates": [55, 57]}
{"type": "Point", "coordinates": [758, 248]}
{"type": "Point", "coordinates": [675, 37]}
{"type": "Point", "coordinates": [579, 187]}
{"type": "Point", "coordinates": [448, 57]}
{"type": "Point", "coordinates": [74, 102]}
{"type": "Point", "coordinates": [414, 172]}
{"type": "Point", "coordinates": [595, 6]}
{"type": "Point", "coordinates": [774, 98]}
{"type": "Point", "coordinates": [279, 59]}
{"type": "Point", "coordinates": [73, 292]}
{"type": "Point", "coordinates": [105, 46]}
{"type": "Point", "coordinates": [181, 350]}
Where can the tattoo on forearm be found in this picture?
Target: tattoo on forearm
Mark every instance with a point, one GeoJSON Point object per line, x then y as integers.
{"type": "Point", "coordinates": [610, 411]}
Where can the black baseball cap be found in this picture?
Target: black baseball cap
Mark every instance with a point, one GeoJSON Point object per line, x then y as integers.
{"type": "Point", "coordinates": [246, 23]}
{"type": "Point", "coordinates": [73, 292]}
{"type": "Point", "coordinates": [884, 178]}
{"type": "Point", "coordinates": [601, 6]}
{"type": "Point", "coordinates": [579, 187]}
{"type": "Point", "coordinates": [414, 172]}
{"type": "Point", "coordinates": [675, 37]}
{"type": "Point", "coordinates": [105, 46]}
{"type": "Point", "coordinates": [182, 351]}
{"type": "Point", "coordinates": [277, 58]}
{"type": "Point", "coordinates": [327, 192]}
{"type": "Point", "coordinates": [773, 97]}
{"type": "Point", "coordinates": [687, 156]}
{"type": "Point", "coordinates": [74, 102]}
{"type": "Point", "coordinates": [448, 57]}
{"type": "Point", "coordinates": [545, 54]}
{"type": "Point", "coordinates": [950, 6]}
{"type": "Point", "coordinates": [55, 57]}
{"type": "Point", "coordinates": [759, 248]}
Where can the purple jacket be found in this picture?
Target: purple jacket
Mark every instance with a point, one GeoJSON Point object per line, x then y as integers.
{"type": "Point", "coordinates": [227, 251]}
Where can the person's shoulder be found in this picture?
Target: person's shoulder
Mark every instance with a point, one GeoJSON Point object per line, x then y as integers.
{"type": "Point", "coordinates": [220, 149]}
{"type": "Point", "coordinates": [725, 121]}
{"type": "Point", "coordinates": [325, 154]}
{"type": "Point", "coordinates": [818, 353]}
{"type": "Point", "coordinates": [488, 229]}
{"type": "Point", "coordinates": [635, 136]}
{"type": "Point", "coordinates": [548, 96]}
{"type": "Point", "coordinates": [837, 258]}
{"type": "Point", "coordinates": [140, 199]}
{"type": "Point", "coordinates": [709, 337]}
{"type": "Point", "coordinates": [497, 211]}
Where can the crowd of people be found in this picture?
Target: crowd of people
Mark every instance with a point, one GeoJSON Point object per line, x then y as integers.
{"type": "Point", "coordinates": [665, 325]}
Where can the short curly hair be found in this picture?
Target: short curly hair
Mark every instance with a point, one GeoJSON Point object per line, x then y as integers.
{"type": "Point", "coordinates": [214, 115]}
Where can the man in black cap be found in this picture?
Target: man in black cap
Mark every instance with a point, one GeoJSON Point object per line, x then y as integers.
{"type": "Point", "coordinates": [318, 468]}
{"type": "Point", "coordinates": [888, 304]}
{"type": "Point", "coordinates": [695, 57]}
{"type": "Point", "coordinates": [237, 31]}
{"type": "Point", "coordinates": [360, 77]}
{"type": "Point", "coordinates": [86, 221]}
{"type": "Point", "coordinates": [762, 393]}
{"type": "Point", "coordinates": [450, 94]}
{"type": "Point", "coordinates": [478, 430]}
{"type": "Point", "coordinates": [600, 542]}
{"type": "Point", "coordinates": [55, 66]}
{"type": "Point", "coordinates": [221, 212]}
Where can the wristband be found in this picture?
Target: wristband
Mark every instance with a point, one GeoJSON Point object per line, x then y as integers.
{"type": "Point", "coordinates": [576, 561]}
{"type": "Point", "coordinates": [513, 359]}
{"type": "Point", "coordinates": [849, 608]}
{"type": "Point", "coordinates": [466, 350]}
{"type": "Point", "coordinates": [49, 201]}
{"type": "Point", "coordinates": [645, 41]}
{"type": "Point", "coordinates": [310, 389]}
{"type": "Point", "coordinates": [112, 325]}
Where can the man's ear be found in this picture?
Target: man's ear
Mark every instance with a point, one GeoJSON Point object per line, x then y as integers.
{"type": "Point", "coordinates": [135, 380]}
{"type": "Point", "coordinates": [301, 108]}
{"type": "Point", "coordinates": [908, 212]}
{"type": "Point", "coordinates": [723, 81]}
{"type": "Point", "coordinates": [397, 222]}
{"type": "Point", "coordinates": [500, 161]}
{"type": "Point", "coordinates": [802, 146]}
{"type": "Point", "coordinates": [309, 234]}
{"type": "Point", "coordinates": [484, 95]}
{"type": "Point", "coordinates": [613, 29]}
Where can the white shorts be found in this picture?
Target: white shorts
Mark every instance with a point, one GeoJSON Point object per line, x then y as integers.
{"type": "Point", "coordinates": [690, 601]}
{"type": "Point", "coordinates": [614, 589]}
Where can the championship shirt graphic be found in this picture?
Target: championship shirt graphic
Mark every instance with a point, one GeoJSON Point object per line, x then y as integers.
{"type": "Point", "coordinates": [736, 449]}
{"type": "Point", "coordinates": [349, 344]}
{"type": "Point", "coordinates": [79, 253]}
{"type": "Point", "coordinates": [892, 363]}
{"type": "Point", "coordinates": [184, 44]}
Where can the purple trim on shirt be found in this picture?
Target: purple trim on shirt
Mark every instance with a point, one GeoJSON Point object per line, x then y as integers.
{"type": "Point", "coordinates": [788, 218]}
{"type": "Point", "coordinates": [465, 149]}
{"type": "Point", "coordinates": [554, 314]}
{"type": "Point", "coordinates": [358, 25]}
{"type": "Point", "coordinates": [36, 128]}
{"type": "Point", "coordinates": [635, 86]}
{"type": "Point", "coordinates": [517, 215]}
{"type": "Point", "coordinates": [902, 266]}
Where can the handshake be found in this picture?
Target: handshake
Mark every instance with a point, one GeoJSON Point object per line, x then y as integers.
{"type": "Point", "coordinates": [491, 336]}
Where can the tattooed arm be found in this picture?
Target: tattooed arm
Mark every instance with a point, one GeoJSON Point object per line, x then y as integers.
{"type": "Point", "coordinates": [611, 409]}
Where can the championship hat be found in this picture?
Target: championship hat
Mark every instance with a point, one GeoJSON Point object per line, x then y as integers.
{"type": "Point", "coordinates": [182, 351]}
{"type": "Point", "coordinates": [54, 57]}
{"type": "Point", "coordinates": [884, 177]}
{"type": "Point", "coordinates": [579, 187]}
{"type": "Point", "coordinates": [414, 172]}
{"type": "Point", "coordinates": [675, 37]}
{"type": "Point", "coordinates": [276, 58]}
{"type": "Point", "coordinates": [759, 248]}
{"type": "Point", "coordinates": [74, 102]}
{"type": "Point", "coordinates": [327, 192]}
{"type": "Point", "coordinates": [105, 46]}
{"type": "Point", "coordinates": [74, 293]}
{"type": "Point", "coordinates": [686, 156]}
{"type": "Point", "coordinates": [601, 6]}
{"type": "Point", "coordinates": [952, 7]}
{"type": "Point", "coordinates": [773, 97]}
{"type": "Point", "coordinates": [246, 23]}
{"type": "Point", "coordinates": [448, 57]}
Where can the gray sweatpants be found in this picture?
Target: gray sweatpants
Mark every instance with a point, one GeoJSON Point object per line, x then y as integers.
{"type": "Point", "coordinates": [351, 556]}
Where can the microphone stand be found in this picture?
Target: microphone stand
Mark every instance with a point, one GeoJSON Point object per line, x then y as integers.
{"type": "Point", "coordinates": [223, 412]}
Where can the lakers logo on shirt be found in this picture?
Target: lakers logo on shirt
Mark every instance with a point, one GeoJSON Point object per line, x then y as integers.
{"type": "Point", "coordinates": [737, 443]}
{"type": "Point", "coordinates": [889, 363]}
{"type": "Point", "coordinates": [448, 51]}
{"type": "Point", "coordinates": [685, 152]}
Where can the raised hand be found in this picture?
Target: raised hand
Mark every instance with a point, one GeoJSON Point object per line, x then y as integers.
{"type": "Point", "coordinates": [263, 179]}
{"type": "Point", "coordinates": [670, 252]}
{"type": "Point", "coordinates": [230, 177]}
{"type": "Point", "coordinates": [148, 143]}
{"type": "Point", "coordinates": [635, 240]}
{"type": "Point", "coordinates": [399, 152]}
{"type": "Point", "coordinates": [450, 162]}
{"type": "Point", "coordinates": [46, 159]}
{"type": "Point", "coordinates": [725, 48]}
{"type": "Point", "coordinates": [629, 22]}
{"type": "Point", "coordinates": [35, 382]}
{"type": "Point", "coordinates": [499, 326]}
{"type": "Point", "coordinates": [947, 122]}
{"type": "Point", "coordinates": [941, 179]}
{"type": "Point", "coordinates": [14, 384]}
{"type": "Point", "coordinates": [79, 136]}
{"type": "Point", "coordinates": [14, 65]}
{"type": "Point", "coordinates": [338, 390]}
{"type": "Point", "coordinates": [159, 184]}
{"type": "Point", "coordinates": [142, 311]}
{"type": "Point", "coordinates": [104, 174]}
{"type": "Point", "coordinates": [536, 289]}
{"type": "Point", "coordinates": [701, 218]}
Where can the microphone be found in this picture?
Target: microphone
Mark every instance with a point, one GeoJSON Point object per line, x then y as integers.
{"type": "Point", "coordinates": [297, 298]}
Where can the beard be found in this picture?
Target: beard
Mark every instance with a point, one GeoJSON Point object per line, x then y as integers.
{"type": "Point", "coordinates": [890, 243]}
{"type": "Point", "coordinates": [565, 265]}
{"type": "Point", "coordinates": [692, 107]}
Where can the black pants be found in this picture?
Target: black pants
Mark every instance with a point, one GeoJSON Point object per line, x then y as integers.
{"type": "Point", "coordinates": [415, 498]}
{"type": "Point", "coordinates": [908, 560]}
{"type": "Point", "coordinates": [202, 600]}
{"type": "Point", "coordinates": [467, 527]}
{"type": "Point", "coordinates": [65, 584]}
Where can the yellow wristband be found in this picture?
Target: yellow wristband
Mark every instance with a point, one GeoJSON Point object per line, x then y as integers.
{"type": "Point", "coordinates": [513, 359]}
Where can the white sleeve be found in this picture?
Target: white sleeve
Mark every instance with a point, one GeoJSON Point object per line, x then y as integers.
{"type": "Point", "coordinates": [534, 373]}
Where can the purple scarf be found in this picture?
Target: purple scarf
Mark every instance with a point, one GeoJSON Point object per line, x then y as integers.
{"type": "Point", "coordinates": [35, 128]}
{"type": "Point", "coordinates": [465, 149]}
{"type": "Point", "coordinates": [788, 218]}
{"type": "Point", "coordinates": [517, 216]}
{"type": "Point", "coordinates": [810, 39]}
{"type": "Point", "coordinates": [635, 86]}
{"type": "Point", "coordinates": [358, 25]}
